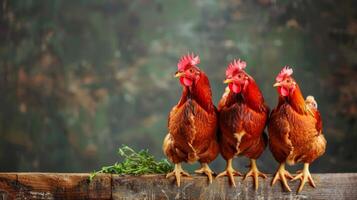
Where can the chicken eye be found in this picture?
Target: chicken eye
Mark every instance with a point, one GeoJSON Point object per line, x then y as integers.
{"type": "Point", "coordinates": [288, 81]}
{"type": "Point", "coordinates": [191, 70]}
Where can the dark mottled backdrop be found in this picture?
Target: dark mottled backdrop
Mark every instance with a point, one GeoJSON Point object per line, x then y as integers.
{"type": "Point", "coordinates": [80, 78]}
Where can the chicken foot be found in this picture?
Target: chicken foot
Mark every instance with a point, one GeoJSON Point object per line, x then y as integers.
{"type": "Point", "coordinates": [304, 176]}
{"type": "Point", "coordinates": [205, 170]}
{"type": "Point", "coordinates": [281, 175]}
{"type": "Point", "coordinates": [255, 173]}
{"type": "Point", "coordinates": [230, 172]}
{"type": "Point", "coordinates": [178, 171]}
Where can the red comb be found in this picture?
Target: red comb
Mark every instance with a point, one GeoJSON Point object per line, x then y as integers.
{"type": "Point", "coordinates": [285, 72]}
{"type": "Point", "coordinates": [235, 66]}
{"type": "Point", "coordinates": [188, 60]}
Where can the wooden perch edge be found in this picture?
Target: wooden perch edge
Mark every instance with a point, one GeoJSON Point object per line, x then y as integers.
{"type": "Point", "coordinates": [107, 186]}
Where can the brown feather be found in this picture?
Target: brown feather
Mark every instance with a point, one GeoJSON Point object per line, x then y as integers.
{"type": "Point", "coordinates": [192, 126]}
{"type": "Point", "coordinates": [242, 119]}
{"type": "Point", "coordinates": [294, 132]}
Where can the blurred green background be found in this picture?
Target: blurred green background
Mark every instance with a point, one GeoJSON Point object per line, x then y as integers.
{"type": "Point", "coordinates": [80, 78]}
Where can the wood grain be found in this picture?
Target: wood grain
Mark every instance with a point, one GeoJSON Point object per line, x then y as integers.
{"type": "Point", "coordinates": [54, 186]}
{"type": "Point", "coordinates": [106, 186]}
{"type": "Point", "coordinates": [329, 186]}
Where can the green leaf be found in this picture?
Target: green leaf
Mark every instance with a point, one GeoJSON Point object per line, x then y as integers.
{"type": "Point", "coordinates": [135, 163]}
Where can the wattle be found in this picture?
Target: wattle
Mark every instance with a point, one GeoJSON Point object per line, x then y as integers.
{"type": "Point", "coordinates": [186, 81]}
{"type": "Point", "coordinates": [283, 91]}
{"type": "Point", "coordinates": [235, 88]}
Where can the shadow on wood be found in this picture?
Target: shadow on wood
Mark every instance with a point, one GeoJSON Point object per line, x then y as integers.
{"type": "Point", "coordinates": [106, 186]}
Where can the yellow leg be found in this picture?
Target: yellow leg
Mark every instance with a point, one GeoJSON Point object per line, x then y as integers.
{"type": "Point", "coordinates": [205, 170]}
{"type": "Point", "coordinates": [230, 172]}
{"type": "Point", "coordinates": [255, 173]}
{"type": "Point", "coordinates": [282, 174]}
{"type": "Point", "coordinates": [304, 176]}
{"type": "Point", "coordinates": [178, 171]}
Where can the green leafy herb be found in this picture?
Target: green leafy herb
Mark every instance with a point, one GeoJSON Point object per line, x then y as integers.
{"type": "Point", "coordinates": [135, 163]}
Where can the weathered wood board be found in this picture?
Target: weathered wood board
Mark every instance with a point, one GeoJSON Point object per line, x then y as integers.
{"type": "Point", "coordinates": [106, 186]}
{"type": "Point", "coordinates": [54, 186]}
{"type": "Point", "coordinates": [329, 186]}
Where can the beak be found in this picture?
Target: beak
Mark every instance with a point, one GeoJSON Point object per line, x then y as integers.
{"type": "Point", "coordinates": [228, 81]}
{"type": "Point", "coordinates": [277, 84]}
{"type": "Point", "coordinates": [179, 74]}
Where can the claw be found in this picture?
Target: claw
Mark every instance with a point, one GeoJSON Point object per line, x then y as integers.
{"type": "Point", "coordinates": [205, 170]}
{"type": "Point", "coordinates": [178, 171]}
{"type": "Point", "coordinates": [281, 175]}
{"type": "Point", "coordinates": [305, 176]}
{"type": "Point", "coordinates": [255, 173]}
{"type": "Point", "coordinates": [230, 172]}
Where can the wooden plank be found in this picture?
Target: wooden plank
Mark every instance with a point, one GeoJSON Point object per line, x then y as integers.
{"type": "Point", "coordinates": [101, 187]}
{"type": "Point", "coordinates": [54, 186]}
{"type": "Point", "coordinates": [8, 186]}
{"type": "Point", "coordinates": [329, 186]}
{"type": "Point", "coordinates": [106, 186]}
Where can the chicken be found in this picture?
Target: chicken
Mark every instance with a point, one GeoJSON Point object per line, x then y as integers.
{"type": "Point", "coordinates": [192, 122]}
{"type": "Point", "coordinates": [243, 116]}
{"type": "Point", "coordinates": [295, 130]}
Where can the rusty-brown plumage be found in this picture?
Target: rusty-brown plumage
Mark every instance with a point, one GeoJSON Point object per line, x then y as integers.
{"type": "Point", "coordinates": [295, 130]}
{"type": "Point", "coordinates": [243, 115]}
{"type": "Point", "coordinates": [192, 122]}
